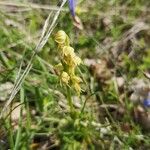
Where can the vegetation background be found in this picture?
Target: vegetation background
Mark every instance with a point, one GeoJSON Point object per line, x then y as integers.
{"type": "Point", "coordinates": [112, 112]}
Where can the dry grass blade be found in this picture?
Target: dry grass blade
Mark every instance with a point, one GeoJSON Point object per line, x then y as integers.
{"type": "Point", "coordinates": [30, 5]}
{"type": "Point", "coordinates": [47, 30]}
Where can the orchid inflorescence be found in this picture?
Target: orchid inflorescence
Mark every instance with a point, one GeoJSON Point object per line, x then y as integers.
{"type": "Point", "coordinates": [69, 62]}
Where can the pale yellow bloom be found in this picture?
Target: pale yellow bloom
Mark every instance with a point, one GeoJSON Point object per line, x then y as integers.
{"type": "Point", "coordinates": [68, 51]}
{"type": "Point", "coordinates": [65, 77]}
{"type": "Point", "coordinates": [69, 61]}
{"type": "Point", "coordinates": [77, 60]}
{"type": "Point", "coordinates": [60, 37]}
{"type": "Point", "coordinates": [77, 88]}
{"type": "Point", "coordinates": [76, 79]}
{"type": "Point", "coordinates": [59, 66]}
{"type": "Point", "coordinates": [70, 57]}
{"type": "Point", "coordinates": [76, 83]}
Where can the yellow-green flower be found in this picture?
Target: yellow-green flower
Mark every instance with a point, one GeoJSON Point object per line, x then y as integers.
{"type": "Point", "coordinates": [76, 83]}
{"type": "Point", "coordinates": [69, 61]}
{"type": "Point", "coordinates": [68, 51]}
{"type": "Point", "coordinates": [65, 77]}
{"type": "Point", "coordinates": [77, 88]}
{"type": "Point", "coordinates": [59, 67]}
{"type": "Point", "coordinates": [77, 60]}
{"type": "Point", "coordinates": [76, 79]}
{"type": "Point", "coordinates": [60, 37]}
{"type": "Point", "coordinates": [70, 57]}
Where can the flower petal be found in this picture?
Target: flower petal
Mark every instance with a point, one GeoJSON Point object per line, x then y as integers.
{"type": "Point", "coordinates": [72, 7]}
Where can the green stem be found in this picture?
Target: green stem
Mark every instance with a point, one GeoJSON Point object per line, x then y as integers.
{"type": "Point", "coordinates": [10, 131]}
{"type": "Point", "coordinates": [18, 137]}
{"type": "Point", "coordinates": [70, 100]}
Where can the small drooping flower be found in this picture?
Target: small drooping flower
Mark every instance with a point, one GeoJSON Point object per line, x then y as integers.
{"type": "Point", "coordinates": [65, 77]}
{"type": "Point", "coordinates": [76, 79]}
{"type": "Point", "coordinates": [76, 83]}
{"type": "Point", "coordinates": [68, 51]}
{"type": "Point", "coordinates": [77, 60]}
{"type": "Point", "coordinates": [77, 88]}
{"type": "Point", "coordinates": [59, 66]}
{"type": "Point", "coordinates": [60, 37]}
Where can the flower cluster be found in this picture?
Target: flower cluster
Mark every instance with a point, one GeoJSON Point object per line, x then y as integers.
{"type": "Point", "coordinates": [69, 62]}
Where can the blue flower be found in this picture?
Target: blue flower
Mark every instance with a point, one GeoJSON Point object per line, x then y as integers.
{"type": "Point", "coordinates": [72, 7]}
{"type": "Point", "coordinates": [146, 103]}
